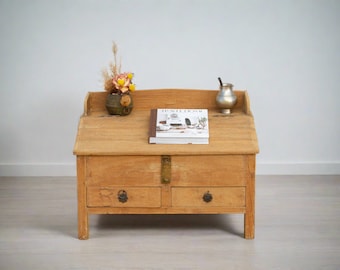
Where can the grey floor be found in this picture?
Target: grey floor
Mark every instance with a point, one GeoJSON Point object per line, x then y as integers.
{"type": "Point", "coordinates": [297, 227]}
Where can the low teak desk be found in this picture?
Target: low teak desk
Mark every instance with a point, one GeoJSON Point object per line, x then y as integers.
{"type": "Point", "coordinates": [119, 172]}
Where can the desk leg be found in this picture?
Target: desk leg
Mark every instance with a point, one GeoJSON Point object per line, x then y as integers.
{"type": "Point", "coordinates": [83, 222]}
{"type": "Point", "coordinates": [249, 216]}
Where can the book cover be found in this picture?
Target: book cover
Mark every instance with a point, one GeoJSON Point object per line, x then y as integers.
{"type": "Point", "coordinates": [179, 126]}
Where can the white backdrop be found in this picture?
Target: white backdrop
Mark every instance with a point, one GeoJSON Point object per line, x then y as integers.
{"type": "Point", "coordinates": [285, 53]}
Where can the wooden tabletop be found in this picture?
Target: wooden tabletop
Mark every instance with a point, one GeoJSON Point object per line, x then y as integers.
{"type": "Point", "coordinates": [102, 134]}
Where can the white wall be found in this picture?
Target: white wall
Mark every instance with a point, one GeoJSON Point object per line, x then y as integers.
{"type": "Point", "coordinates": [285, 53]}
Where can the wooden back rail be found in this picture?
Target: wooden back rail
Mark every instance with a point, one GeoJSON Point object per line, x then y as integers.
{"type": "Point", "coordinates": [168, 98]}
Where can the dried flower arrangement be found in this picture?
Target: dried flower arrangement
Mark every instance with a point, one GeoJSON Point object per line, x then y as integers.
{"type": "Point", "coordinates": [115, 81]}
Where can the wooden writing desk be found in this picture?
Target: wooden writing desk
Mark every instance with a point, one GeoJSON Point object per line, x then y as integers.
{"type": "Point", "coordinates": [119, 172]}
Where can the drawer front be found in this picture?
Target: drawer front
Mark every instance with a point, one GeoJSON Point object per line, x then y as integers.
{"type": "Point", "coordinates": [123, 197]}
{"type": "Point", "coordinates": [208, 197]}
{"type": "Point", "coordinates": [123, 170]}
{"type": "Point", "coordinates": [211, 170]}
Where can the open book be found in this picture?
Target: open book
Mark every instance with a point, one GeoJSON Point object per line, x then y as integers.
{"type": "Point", "coordinates": [179, 126]}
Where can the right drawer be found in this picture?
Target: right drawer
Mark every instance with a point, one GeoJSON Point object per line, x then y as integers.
{"type": "Point", "coordinates": [210, 170]}
{"type": "Point", "coordinates": [208, 196]}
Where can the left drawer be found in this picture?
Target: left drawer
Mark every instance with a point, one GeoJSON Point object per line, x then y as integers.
{"type": "Point", "coordinates": [123, 197]}
{"type": "Point", "coordinates": [123, 171]}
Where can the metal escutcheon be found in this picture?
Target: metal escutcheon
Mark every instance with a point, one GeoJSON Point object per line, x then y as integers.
{"type": "Point", "coordinates": [207, 197]}
{"type": "Point", "coordinates": [122, 196]}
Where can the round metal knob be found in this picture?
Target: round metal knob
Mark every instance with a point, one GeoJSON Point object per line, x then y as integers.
{"type": "Point", "coordinates": [207, 197]}
{"type": "Point", "coordinates": [122, 196]}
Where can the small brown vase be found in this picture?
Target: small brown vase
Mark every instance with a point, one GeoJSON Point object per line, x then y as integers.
{"type": "Point", "coordinates": [119, 104]}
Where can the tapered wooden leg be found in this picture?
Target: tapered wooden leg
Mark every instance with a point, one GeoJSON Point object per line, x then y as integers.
{"type": "Point", "coordinates": [83, 227]}
{"type": "Point", "coordinates": [83, 221]}
{"type": "Point", "coordinates": [249, 216]}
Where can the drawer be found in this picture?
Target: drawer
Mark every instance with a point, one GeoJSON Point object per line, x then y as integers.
{"type": "Point", "coordinates": [123, 170]}
{"type": "Point", "coordinates": [208, 196]}
{"type": "Point", "coordinates": [211, 170]}
{"type": "Point", "coordinates": [123, 197]}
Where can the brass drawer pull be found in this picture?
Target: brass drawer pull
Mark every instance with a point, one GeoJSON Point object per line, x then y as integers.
{"type": "Point", "coordinates": [207, 197]}
{"type": "Point", "coordinates": [122, 196]}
